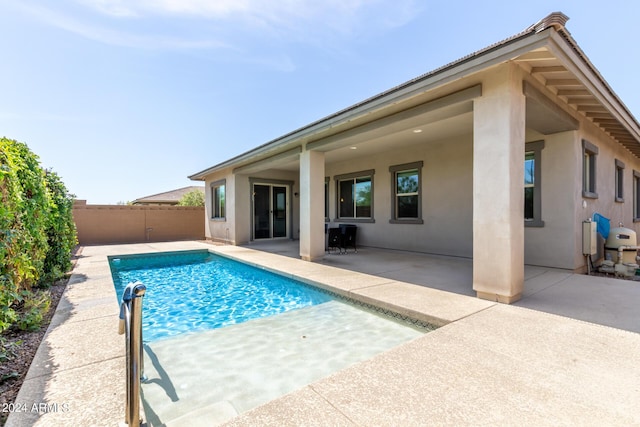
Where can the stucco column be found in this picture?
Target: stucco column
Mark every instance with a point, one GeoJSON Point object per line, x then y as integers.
{"type": "Point", "coordinates": [498, 182]}
{"type": "Point", "coordinates": [311, 205]}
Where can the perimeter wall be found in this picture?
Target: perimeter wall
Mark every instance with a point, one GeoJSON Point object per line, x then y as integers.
{"type": "Point", "coordinates": [110, 224]}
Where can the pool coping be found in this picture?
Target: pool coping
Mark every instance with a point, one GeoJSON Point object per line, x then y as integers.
{"type": "Point", "coordinates": [78, 377]}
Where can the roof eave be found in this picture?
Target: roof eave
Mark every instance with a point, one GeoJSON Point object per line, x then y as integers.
{"type": "Point", "coordinates": [549, 31]}
{"type": "Point", "coordinates": [470, 64]}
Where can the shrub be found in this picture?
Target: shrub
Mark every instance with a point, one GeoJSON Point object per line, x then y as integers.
{"type": "Point", "coordinates": [35, 305]}
{"type": "Point", "coordinates": [36, 227]}
{"type": "Point", "coordinates": [61, 230]}
{"type": "Point", "coordinates": [26, 203]}
{"type": "Point", "coordinates": [25, 206]}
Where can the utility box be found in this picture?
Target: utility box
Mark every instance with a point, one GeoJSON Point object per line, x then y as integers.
{"type": "Point", "coordinates": [589, 238]}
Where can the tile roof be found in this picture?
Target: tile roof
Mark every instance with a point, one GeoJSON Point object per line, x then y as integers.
{"type": "Point", "coordinates": [555, 20]}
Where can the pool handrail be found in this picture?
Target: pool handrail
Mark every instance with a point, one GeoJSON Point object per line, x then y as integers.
{"type": "Point", "coordinates": [131, 326]}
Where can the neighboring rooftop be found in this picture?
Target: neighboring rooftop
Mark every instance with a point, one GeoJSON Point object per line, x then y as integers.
{"type": "Point", "coordinates": [167, 198]}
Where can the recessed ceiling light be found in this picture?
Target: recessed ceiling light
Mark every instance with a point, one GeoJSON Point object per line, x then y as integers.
{"type": "Point", "coordinates": [417, 130]}
{"type": "Point", "coordinates": [353, 148]}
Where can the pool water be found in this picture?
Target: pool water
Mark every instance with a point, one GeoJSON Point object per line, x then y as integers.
{"type": "Point", "coordinates": [209, 377]}
{"type": "Point", "coordinates": [197, 291]}
{"type": "Point", "coordinates": [222, 337]}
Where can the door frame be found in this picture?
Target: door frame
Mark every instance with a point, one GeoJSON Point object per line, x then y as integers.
{"type": "Point", "coordinates": [289, 208]}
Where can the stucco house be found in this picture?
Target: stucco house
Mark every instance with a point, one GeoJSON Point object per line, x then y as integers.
{"type": "Point", "coordinates": [499, 156]}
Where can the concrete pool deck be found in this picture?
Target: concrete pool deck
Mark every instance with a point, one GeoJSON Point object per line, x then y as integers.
{"type": "Point", "coordinates": [488, 364]}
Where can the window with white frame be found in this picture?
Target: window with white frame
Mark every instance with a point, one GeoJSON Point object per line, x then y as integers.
{"type": "Point", "coordinates": [218, 210]}
{"type": "Point", "coordinates": [589, 156]}
{"type": "Point", "coordinates": [355, 196]}
{"type": "Point", "coordinates": [619, 190]}
{"type": "Point", "coordinates": [406, 206]}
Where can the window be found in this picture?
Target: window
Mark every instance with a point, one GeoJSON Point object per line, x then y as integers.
{"type": "Point", "coordinates": [619, 181]}
{"type": "Point", "coordinates": [406, 206]}
{"type": "Point", "coordinates": [529, 184]}
{"type": "Point", "coordinates": [589, 154]}
{"type": "Point", "coordinates": [636, 196]}
{"type": "Point", "coordinates": [326, 199]}
{"type": "Point", "coordinates": [533, 184]}
{"type": "Point", "coordinates": [355, 195]}
{"type": "Point", "coordinates": [218, 210]}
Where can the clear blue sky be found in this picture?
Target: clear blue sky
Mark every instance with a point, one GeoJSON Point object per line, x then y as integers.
{"type": "Point", "coordinates": [126, 98]}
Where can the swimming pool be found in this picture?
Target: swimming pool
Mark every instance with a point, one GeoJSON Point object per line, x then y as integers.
{"type": "Point", "coordinates": [213, 373]}
{"type": "Point", "coordinates": [196, 290]}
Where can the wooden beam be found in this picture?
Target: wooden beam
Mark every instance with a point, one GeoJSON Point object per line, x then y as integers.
{"type": "Point", "coordinates": [536, 56]}
{"type": "Point", "coordinates": [583, 101]}
{"type": "Point", "coordinates": [554, 69]}
{"type": "Point", "coordinates": [592, 108]}
{"type": "Point", "coordinates": [607, 120]}
{"type": "Point", "coordinates": [598, 114]}
{"type": "Point", "coordinates": [563, 82]}
{"type": "Point", "coordinates": [574, 92]}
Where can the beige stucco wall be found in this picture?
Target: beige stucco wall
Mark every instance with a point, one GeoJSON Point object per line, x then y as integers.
{"type": "Point", "coordinates": [107, 224]}
{"type": "Point", "coordinates": [447, 198]}
{"type": "Point", "coordinates": [553, 244]}
{"type": "Point", "coordinates": [236, 227]}
{"type": "Point", "coordinates": [605, 204]}
{"type": "Point", "coordinates": [222, 230]}
{"type": "Point", "coordinates": [559, 242]}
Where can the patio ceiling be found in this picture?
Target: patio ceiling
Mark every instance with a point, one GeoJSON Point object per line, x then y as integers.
{"type": "Point", "coordinates": [420, 130]}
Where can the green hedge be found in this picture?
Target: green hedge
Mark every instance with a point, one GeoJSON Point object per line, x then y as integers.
{"type": "Point", "coordinates": [36, 227]}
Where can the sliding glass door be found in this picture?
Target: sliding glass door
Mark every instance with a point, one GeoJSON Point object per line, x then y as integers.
{"type": "Point", "coordinates": [270, 211]}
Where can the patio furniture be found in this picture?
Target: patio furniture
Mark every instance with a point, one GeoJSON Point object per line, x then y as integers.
{"type": "Point", "coordinates": [348, 232]}
{"type": "Point", "coordinates": [335, 240]}
{"type": "Point", "coordinates": [341, 238]}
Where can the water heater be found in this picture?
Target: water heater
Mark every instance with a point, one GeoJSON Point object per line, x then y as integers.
{"type": "Point", "coordinates": [589, 238]}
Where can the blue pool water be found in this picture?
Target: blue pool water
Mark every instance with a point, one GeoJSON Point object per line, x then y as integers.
{"type": "Point", "coordinates": [196, 290]}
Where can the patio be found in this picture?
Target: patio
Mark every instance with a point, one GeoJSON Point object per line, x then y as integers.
{"type": "Point", "coordinates": [602, 300]}
{"type": "Point", "coordinates": [488, 363]}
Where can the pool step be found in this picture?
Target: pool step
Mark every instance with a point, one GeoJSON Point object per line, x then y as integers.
{"type": "Point", "coordinates": [214, 414]}
{"type": "Point", "coordinates": [251, 363]}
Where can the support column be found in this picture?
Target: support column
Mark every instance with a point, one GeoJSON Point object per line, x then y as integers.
{"type": "Point", "coordinates": [498, 182]}
{"type": "Point", "coordinates": [311, 205]}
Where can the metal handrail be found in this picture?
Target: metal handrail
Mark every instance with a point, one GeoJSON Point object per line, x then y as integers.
{"type": "Point", "coordinates": [131, 326]}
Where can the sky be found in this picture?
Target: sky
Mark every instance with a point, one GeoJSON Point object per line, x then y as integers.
{"type": "Point", "coordinates": [127, 98]}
